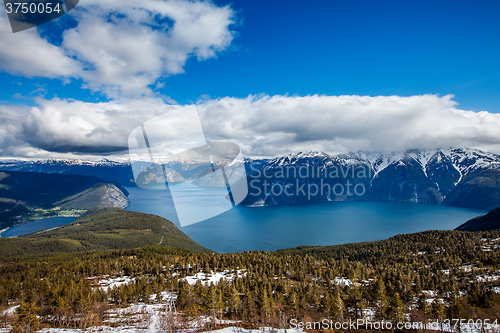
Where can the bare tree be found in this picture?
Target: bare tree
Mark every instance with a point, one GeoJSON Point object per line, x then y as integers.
{"type": "Point", "coordinates": [6, 320]}
{"type": "Point", "coordinates": [144, 320]}
{"type": "Point", "coordinates": [171, 323]}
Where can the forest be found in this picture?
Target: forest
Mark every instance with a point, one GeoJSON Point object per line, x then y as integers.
{"type": "Point", "coordinates": [430, 275]}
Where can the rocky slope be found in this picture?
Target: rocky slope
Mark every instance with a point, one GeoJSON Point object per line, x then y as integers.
{"type": "Point", "coordinates": [22, 192]}
{"type": "Point", "coordinates": [457, 176]}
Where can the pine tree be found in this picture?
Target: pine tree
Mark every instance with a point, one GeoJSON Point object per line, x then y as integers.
{"type": "Point", "coordinates": [264, 303]}
{"type": "Point", "coordinates": [234, 300]}
{"type": "Point", "coordinates": [338, 306]}
{"type": "Point", "coordinates": [380, 299]}
{"type": "Point", "coordinates": [396, 308]}
{"type": "Point", "coordinates": [27, 318]}
{"type": "Point", "coordinates": [214, 301]}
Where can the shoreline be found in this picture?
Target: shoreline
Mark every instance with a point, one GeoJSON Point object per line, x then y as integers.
{"type": "Point", "coordinates": [26, 221]}
{"type": "Point", "coordinates": [38, 231]}
{"type": "Point", "coordinates": [3, 230]}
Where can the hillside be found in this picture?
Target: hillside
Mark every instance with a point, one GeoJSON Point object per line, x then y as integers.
{"type": "Point", "coordinates": [428, 275]}
{"type": "Point", "coordinates": [22, 192]}
{"type": "Point", "coordinates": [459, 244]}
{"type": "Point", "coordinates": [102, 229]}
{"type": "Point", "coordinates": [461, 177]}
{"type": "Point", "coordinates": [490, 221]}
{"type": "Point", "coordinates": [109, 171]}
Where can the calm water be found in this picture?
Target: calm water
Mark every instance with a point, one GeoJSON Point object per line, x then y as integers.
{"type": "Point", "coordinates": [37, 225]}
{"type": "Point", "coordinates": [271, 228]}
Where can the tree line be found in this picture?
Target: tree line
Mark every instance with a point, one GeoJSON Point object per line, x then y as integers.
{"type": "Point", "coordinates": [429, 275]}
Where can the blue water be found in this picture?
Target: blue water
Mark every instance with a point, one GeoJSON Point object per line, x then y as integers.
{"type": "Point", "coordinates": [278, 227]}
{"type": "Point", "coordinates": [37, 225]}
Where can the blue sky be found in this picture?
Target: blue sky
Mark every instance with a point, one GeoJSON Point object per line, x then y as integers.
{"type": "Point", "coordinates": [337, 48]}
{"type": "Point", "coordinates": [274, 48]}
{"type": "Point", "coordinates": [357, 47]}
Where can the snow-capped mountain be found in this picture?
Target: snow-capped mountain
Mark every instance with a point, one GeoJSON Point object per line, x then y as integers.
{"type": "Point", "coordinates": [201, 174]}
{"type": "Point", "coordinates": [455, 176]}
{"type": "Point", "coordinates": [464, 160]}
{"type": "Point", "coordinates": [104, 169]}
{"type": "Point", "coordinates": [463, 177]}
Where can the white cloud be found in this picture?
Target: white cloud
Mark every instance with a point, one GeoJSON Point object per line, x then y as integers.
{"type": "Point", "coordinates": [261, 125]}
{"type": "Point", "coordinates": [121, 47]}
{"type": "Point", "coordinates": [277, 125]}
{"type": "Point", "coordinates": [68, 126]}
{"type": "Point", "coordinates": [28, 54]}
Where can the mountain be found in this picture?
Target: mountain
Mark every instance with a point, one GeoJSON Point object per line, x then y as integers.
{"type": "Point", "coordinates": [201, 174]}
{"type": "Point", "coordinates": [102, 229]}
{"type": "Point", "coordinates": [461, 177]}
{"type": "Point", "coordinates": [490, 221]}
{"type": "Point", "coordinates": [173, 171]}
{"type": "Point", "coordinates": [23, 192]}
{"type": "Point", "coordinates": [105, 169]}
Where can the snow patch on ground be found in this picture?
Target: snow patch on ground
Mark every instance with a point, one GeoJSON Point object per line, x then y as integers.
{"type": "Point", "coordinates": [214, 277]}
{"type": "Point", "coordinates": [340, 281]}
{"type": "Point", "coordinates": [11, 311]}
{"type": "Point", "coordinates": [164, 296]}
{"type": "Point", "coordinates": [108, 283]}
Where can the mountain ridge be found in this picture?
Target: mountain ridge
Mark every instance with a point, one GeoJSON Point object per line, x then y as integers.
{"type": "Point", "coordinates": [456, 176]}
{"type": "Point", "coordinates": [452, 176]}
{"type": "Point", "coordinates": [488, 222]}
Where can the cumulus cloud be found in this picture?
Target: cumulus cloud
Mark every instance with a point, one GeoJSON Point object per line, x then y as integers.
{"type": "Point", "coordinates": [73, 127]}
{"type": "Point", "coordinates": [277, 125]}
{"type": "Point", "coordinates": [26, 53]}
{"type": "Point", "coordinates": [264, 125]}
{"type": "Point", "coordinates": [121, 47]}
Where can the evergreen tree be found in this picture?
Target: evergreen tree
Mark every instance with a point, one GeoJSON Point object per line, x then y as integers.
{"type": "Point", "coordinates": [27, 318]}
{"type": "Point", "coordinates": [396, 308]}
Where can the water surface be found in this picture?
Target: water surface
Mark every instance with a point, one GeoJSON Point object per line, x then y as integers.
{"type": "Point", "coordinates": [42, 224]}
{"type": "Point", "coordinates": [278, 227]}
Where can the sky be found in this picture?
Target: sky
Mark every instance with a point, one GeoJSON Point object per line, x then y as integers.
{"type": "Point", "coordinates": [274, 77]}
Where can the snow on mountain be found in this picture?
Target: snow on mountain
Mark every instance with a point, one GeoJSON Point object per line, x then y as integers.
{"type": "Point", "coordinates": [51, 162]}
{"type": "Point", "coordinates": [464, 177]}
{"type": "Point", "coordinates": [105, 169]}
{"type": "Point", "coordinates": [464, 160]}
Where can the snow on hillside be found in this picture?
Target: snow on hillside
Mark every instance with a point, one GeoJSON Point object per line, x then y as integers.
{"type": "Point", "coordinates": [106, 282]}
{"type": "Point", "coordinates": [464, 160]}
{"type": "Point", "coordinates": [214, 278]}
{"type": "Point", "coordinates": [230, 329]}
